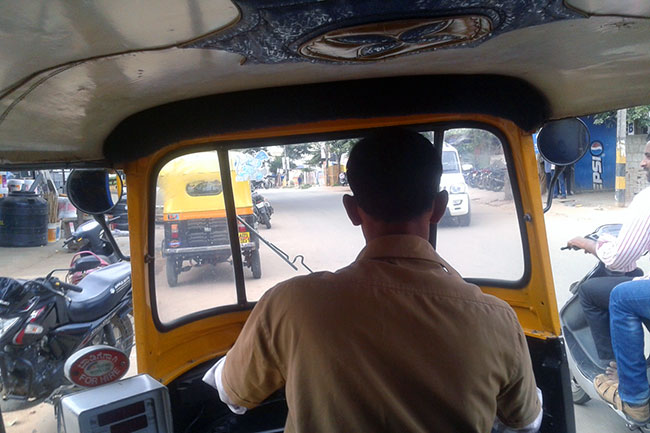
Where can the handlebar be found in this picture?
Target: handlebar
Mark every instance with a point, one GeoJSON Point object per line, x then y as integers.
{"type": "Point", "coordinates": [68, 286]}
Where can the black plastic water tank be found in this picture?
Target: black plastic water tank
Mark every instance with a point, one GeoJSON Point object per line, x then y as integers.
{"type": "Point", "coordinates": [23, 220]}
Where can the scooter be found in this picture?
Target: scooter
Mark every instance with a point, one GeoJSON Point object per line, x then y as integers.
{"type": "Point", "coordinates": [584, 362]}
{"type": "Point", "coordinates": [45, 320]}
{"type": "Point", "coordinates": [262, 209]}
{"type": "Point", "coordinates": [90, 236]}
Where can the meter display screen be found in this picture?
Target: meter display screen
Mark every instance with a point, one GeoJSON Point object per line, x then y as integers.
{"type": "Point", "coordinates": [130, 426]}
{"type": "Point", "coordinates": [120, 413]}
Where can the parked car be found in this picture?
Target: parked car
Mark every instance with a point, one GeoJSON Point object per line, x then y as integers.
{"type": "Point", "coordinates": [453, 181]}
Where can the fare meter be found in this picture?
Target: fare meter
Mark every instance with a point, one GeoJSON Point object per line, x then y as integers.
{"type": "Point", "coordinates": [138, 404]}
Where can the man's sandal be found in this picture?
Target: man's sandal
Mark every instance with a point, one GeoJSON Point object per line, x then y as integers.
{"type": "Point", "coordinates": [607, 389]}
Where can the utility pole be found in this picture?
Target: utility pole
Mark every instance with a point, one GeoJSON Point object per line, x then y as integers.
{"type": "Point", "coordinates": [621, 133]}
{"type": "Point", "coordinates": [286, 165]}
{"type": "Point", "coordinates": [326, 163]}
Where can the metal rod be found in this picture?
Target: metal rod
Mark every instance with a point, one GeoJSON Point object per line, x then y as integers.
{"type": "Point", "coordinates": [556, 174]}
{"type": "Point", "coordinates": [231, 218]}
{"type": "Point", "coordinates": [284, 256]}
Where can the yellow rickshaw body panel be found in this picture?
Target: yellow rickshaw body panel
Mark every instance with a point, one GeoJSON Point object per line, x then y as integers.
{"type": "Point", "coordinates": [178, 204]}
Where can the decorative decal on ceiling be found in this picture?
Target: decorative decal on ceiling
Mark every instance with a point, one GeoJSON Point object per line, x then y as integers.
{"type": "Point", "coordinates": [275, 31]}
{"type": "Point", "coordinates": [378, 41]}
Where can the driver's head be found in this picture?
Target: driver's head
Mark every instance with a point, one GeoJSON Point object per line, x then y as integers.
{"type": "Point", "coordinates": [394, 174]}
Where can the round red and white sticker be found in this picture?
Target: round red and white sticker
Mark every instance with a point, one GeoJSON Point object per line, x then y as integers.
{"type": "Point", "coordinates": [96, 365]}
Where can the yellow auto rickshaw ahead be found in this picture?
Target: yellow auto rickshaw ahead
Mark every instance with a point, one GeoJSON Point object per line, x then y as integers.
{"type": "Point", "coordinates": [194, 216]}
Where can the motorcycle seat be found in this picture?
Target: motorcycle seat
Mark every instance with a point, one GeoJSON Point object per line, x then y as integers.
{"type": "Point", "coordinates": [102, 291]}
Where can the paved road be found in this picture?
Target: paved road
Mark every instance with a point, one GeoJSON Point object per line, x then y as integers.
{"type": "Point", "coordinates": [312, 223]}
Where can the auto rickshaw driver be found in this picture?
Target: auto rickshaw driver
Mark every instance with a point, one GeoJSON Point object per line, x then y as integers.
{"type": "Point", "coordinates": [453, 358]}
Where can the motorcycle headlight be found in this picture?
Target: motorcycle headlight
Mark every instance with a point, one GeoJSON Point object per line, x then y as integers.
{"type": "Point", "coordinates": [6, 325]}
{"type": "Point", "coordinates": [458, 188]}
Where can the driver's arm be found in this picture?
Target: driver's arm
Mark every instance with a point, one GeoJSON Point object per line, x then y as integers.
{"type": "Point", "coordinates": [213, 378]}
{"type": "Point", "coordinates": [250, 372]}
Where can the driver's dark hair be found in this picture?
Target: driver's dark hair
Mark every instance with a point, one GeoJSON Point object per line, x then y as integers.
{"type": "Point", "coordinates": [394, 174]}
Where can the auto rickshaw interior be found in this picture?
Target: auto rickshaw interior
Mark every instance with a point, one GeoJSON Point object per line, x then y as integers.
{"type": "Point", "coordinates": [141, 88]}
{"type": "Point", "coordinates": [179, 327]}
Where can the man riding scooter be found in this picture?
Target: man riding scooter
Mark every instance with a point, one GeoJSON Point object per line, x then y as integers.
{"type": "Point", "coordinates": [626, 311]}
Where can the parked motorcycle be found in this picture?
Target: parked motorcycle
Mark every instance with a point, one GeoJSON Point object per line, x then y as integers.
{"type": "Point", "coordinates": [496, 179]}
{"type": "Point", "coordinates": [262, 209]}
{"type": "Point", "coordinates": [584, 362]}
{"type": "Point", "coordinates": [90, 236]}
{"type": "Point", "coordinates": [45, 320]}
{"type": "Point", "coordinates": [483, 178]}
{"type": "Point", "coordinates": [472, 178]}
{"type": "Point", "coordinates": [267, 182]}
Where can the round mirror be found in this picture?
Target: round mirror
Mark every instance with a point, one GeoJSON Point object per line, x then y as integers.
{"type": "Point", "coordinates": [94, 191]}
{"type": "Point", "coordinates": [563, 142]}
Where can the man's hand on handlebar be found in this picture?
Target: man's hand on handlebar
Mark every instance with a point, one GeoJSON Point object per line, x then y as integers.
{"type": "Point", "coordinates": [580, 243]}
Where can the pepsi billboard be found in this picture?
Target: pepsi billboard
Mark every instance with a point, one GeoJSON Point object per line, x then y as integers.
{"type": "Point", "coordinates": [596, 170]}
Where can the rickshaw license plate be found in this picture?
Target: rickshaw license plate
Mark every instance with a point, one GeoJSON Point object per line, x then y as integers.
{"type": "Point", "coordinates": [244, 237]}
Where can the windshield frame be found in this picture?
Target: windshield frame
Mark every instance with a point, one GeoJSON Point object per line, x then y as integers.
{"type": "Point", "coordinates": [223, 147]}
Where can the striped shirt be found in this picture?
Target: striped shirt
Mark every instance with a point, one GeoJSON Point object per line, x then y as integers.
{"type": "Point", "coordinates": [633, 240]}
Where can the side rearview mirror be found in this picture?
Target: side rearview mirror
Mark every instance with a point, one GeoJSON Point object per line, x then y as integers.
{"type": "Point", "coordinates": [94, 191]}
{"type": "Point", "coordinates": [563, 142]}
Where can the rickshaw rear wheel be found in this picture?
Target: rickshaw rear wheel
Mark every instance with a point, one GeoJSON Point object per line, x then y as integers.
{"type": "Point", "coordinates": [256, 264]}
{"type": "Point", "coordinates": [170, 271]}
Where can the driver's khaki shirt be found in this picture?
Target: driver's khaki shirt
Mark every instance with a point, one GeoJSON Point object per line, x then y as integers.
{"type": "Point", "coordinates": [395, 342]}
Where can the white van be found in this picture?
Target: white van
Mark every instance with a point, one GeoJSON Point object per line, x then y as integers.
{"type": "Point", "coordinates": [453, 181]}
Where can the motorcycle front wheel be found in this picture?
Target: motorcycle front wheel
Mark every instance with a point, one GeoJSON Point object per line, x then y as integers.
{"type": "Point", "coordinates": [118, 333]}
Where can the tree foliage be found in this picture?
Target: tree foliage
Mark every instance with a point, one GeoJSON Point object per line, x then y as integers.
{"type": "Point", "coordinates": [298, 151]}
{"type": "Point", "coordinates": [253, 150]}
{"type": "Point", "coordinates": [338, 148]}
{"type": "Point", "coordinates": [639, 115]}
{"type": "Point", "coordinates": [335, 148]}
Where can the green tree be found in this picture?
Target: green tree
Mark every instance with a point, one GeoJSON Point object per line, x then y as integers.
{"type": "Point", "coordinates": [254, 150]}
{"type": "Point", "coordinates": [639, 115]}
{"type": "Point", "coordinates": [474, 145]}
{"type": "Point", "coordinates": [338, 148]}
{"type": "Point", "coordinates": [298, 151]}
